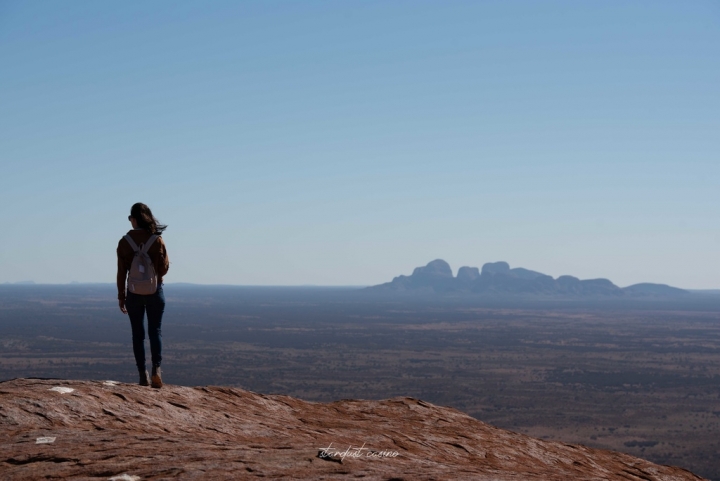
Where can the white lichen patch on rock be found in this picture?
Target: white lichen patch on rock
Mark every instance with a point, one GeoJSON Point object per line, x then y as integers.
{"type": "Point", "coordinates": [45, 440]}
{"type": "Point", "coordinates": [61, 390]}
{"type": "Point", "coordinates": [124, 477]}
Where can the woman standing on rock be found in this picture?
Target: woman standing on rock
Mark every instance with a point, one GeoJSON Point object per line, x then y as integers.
{"type": "Point", "coordinates": [142, 263]}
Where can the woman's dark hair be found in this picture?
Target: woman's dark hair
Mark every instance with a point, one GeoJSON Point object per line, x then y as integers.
{"type": "Point", "coordinates": [145, 219]}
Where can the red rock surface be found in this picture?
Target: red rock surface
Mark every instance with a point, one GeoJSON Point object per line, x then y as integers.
{"type": "Point", "coordinates": [129, 432]}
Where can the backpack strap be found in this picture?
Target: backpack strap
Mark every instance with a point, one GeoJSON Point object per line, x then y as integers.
{"type": "Point", "coordinates": [131, 242]}
{"type": "Point", "coordinates": [143, 247]}
{"type": "Point", "coordinates": [148, 243]}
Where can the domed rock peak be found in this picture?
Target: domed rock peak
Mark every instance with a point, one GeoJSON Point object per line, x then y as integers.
{"type": "Point", "coordinates": [468, 273]}
{"type": "Point", "coordinates": [436, 268]}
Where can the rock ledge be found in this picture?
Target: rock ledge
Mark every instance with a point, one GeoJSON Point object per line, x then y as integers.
{"type": "Point", "coordinates": [90, 430]}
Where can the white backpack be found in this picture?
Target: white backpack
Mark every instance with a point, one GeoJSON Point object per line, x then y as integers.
{"type": "Point", "coordinates": [142, 278]}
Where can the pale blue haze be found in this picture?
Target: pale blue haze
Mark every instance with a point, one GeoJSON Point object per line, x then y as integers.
{"type": "Point", "coordinates": [340, 143]}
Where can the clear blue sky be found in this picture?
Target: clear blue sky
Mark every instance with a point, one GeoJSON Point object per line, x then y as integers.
{"type": "Point", "coordinates": [339, 143]}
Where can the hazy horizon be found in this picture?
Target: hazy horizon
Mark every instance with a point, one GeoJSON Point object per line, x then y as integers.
{"type": "Point", "coordinates": [327, 144]}
{"type": "Point", "coordinates": [210, 284]}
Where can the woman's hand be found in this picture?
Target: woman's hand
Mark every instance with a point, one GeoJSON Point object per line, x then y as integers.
{"type": "Point", "coordinates": [121, 302]}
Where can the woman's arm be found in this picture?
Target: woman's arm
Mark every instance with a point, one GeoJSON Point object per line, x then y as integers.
{"type": "Point", "coordinates": [164, 262]}
{"type": "Point", "coordinates": [122, 269]}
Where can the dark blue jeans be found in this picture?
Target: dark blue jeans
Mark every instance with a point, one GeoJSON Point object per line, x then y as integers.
{"type": "Point", "coordinates": [137, 306]}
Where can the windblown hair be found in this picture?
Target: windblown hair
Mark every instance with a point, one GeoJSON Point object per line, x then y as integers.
{"type": "Point", "coordinates": [145, 219]}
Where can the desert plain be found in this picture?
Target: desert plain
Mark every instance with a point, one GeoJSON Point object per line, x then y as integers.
{"type": "Point", "coordinates": [641, 377]}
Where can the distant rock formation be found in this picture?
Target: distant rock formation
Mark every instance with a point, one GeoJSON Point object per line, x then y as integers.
{"type": "Point", "coordinates": [435, 276]}
{"type": "Point", "coordinates": [497, 278]}
{"type": "Point", "coordinates": [647, 289]}
{"type": "Point", "coordinates": [53, 429]}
